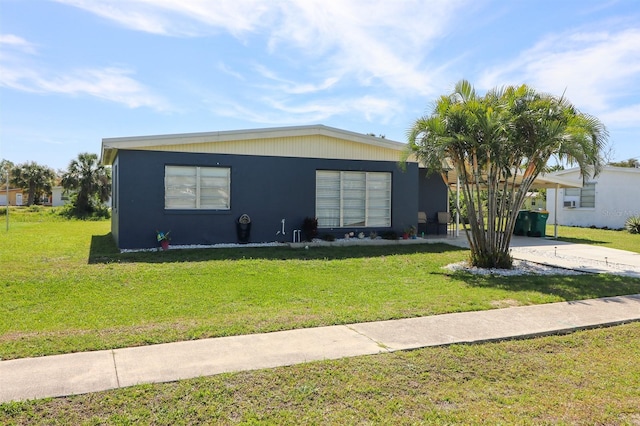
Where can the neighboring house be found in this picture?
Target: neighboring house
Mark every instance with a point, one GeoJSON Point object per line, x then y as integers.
{"type": "Point", "coordinates": [59, 197]}
{"type": "Point", "coordinates": [534, 201]}
{"type": "Point", "coordinates": [198, 185]}
{"type": "Point", "coordinates": [16, 197]}
{"type": "Point", "coordinates": [606, 200]}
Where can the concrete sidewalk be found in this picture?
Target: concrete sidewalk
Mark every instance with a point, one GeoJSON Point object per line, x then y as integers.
{"type": "Point", "coordinates": [63, 375]}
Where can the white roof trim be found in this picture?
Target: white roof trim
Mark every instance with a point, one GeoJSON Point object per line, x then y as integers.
{"type": "Point", "coordinates": [111, 145]}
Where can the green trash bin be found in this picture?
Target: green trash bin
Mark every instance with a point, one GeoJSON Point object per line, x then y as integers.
{"type": "Point", "coordinates": [538, 223]}
{"type": "Point", "coordinates": [523, 223]}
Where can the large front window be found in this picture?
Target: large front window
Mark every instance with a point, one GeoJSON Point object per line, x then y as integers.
{"type": "Point", "coordinates": [191, 187]}
{"type": "Point", "coordinates": [353, 199]}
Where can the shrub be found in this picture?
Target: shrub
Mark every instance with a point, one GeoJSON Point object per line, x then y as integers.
{"type": "Point", "coordinates": [310, 228]}
{"type": "Point", "coordinates": [632, 224]}
{"type": "Point", "coordinates": [389, 235]}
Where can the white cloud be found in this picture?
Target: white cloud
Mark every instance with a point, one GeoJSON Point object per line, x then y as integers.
{"type": "Point", "coordinates": [111, 84]}
{"type": "Point", "coordinates": [624, 117]}
{"type": "Point", "coordinates": [10, 40]}
{"type": "Point", "coordinates": [177, 17]}
{"type": "Point", "coordinates": [288, 111]}
{"type": "Point", "coordinates": [596, 69]}
{"type": "Point", "coordinates": [292, 87]}
{"type": "Point", "coordinates": [376, 42]}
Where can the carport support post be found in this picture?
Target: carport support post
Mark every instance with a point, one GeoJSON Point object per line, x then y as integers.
{"type": "Point", "coordinates": [555, 213]}
{"type": "Point", "coordinates": [457, 206]}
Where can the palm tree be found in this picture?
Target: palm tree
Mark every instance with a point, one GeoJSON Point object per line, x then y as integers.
{"type": "Point", "coordinates": [34, 178]}
{"type": "Point", "coordinates": [498, 144]}
{"type": "Point", "coordinates": [90, 181]}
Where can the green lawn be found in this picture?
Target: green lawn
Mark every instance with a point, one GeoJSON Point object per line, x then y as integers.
{"type": "Point", "coordinates": [586, 378]}
{"type": "Point", "coordinates": [621, 240]}
{"type": "Point", "coordinates": [66, 288]}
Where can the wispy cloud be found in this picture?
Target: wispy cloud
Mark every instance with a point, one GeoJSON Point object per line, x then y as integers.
{"type": "Point", "coordinates": [376, 43]}
{"type": "Point", "coordinates": [291, 111]}
{"type": "Point", "coordinates": [595, 68]}
{"type": "Point", "coordinates": [292, 87]}
{"type": "Point", "coordinates": [179, 18]}
{"type": "Point", "coordinates": [18, 43]}
{"type": "Point", "coordinates": [111, 83]}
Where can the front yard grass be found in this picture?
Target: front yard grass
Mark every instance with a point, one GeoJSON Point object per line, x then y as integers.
{"type": "Point", "coordinates": [617, 239]}
{"type": "Point", "coordinates": [65, 288]}
{"type": "Point", "coordinates": [588, 377]}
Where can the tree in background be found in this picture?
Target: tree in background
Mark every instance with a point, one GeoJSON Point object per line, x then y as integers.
{"type": "Point", "coordinates": [498, 144]}
{"type": "Point", "coordinates": [631, 162]}
{"type": "Point", "coordinates": [90, 183]}
{"type": "Point", "coordinates": [34, 178]}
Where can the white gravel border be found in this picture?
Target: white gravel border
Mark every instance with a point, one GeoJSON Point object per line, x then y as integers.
{"type": "Point", "coordinates": [520, 267]}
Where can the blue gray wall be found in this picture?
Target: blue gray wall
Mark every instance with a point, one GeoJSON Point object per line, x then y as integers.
{"type": "Point", "coordinates": [433, 198]}
{"type": "Point", "coordinates": [268, 189]}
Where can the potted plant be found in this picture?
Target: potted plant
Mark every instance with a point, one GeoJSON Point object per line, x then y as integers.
{"type": "Point", "coordinates": [410, 232]}
{"type": "Point", "coordinates": [163, 239]}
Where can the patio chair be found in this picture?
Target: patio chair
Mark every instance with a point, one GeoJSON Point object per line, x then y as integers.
{"type": "Point", "coordinates": [443, 221]}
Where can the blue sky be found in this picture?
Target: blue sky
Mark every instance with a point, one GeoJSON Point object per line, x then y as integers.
{"type": "Point", "coordinates": [75, 71]}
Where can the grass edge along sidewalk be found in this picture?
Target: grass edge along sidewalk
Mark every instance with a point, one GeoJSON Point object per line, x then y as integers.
{"type": "Point", "coordinates": [58, 300]}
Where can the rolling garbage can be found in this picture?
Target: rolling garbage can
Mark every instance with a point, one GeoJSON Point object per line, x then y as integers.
{"type": "Point", "coordinates": [538, 223]}
{"type": "Point", "coordinates": [243, 228]}
{"type": "Point", "coordinates": [523, 223]}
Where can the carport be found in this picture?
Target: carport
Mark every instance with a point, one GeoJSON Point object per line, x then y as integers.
{"type": "Point", "coordinates": [541, 182]}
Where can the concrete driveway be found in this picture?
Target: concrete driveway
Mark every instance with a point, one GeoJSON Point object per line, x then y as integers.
{"type": "Point", "coordinates": [581, 257]}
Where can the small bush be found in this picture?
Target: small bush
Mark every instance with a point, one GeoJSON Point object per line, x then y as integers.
{"type": "Point", "coordinates": [632, 224]}
{"type": "Point", "coordinates": [389, 235]}
{"type": "Point", "coordinates": [310, 228]}
{"type": "Point", "coordinates": [98, 212]}
{"type": "Point", "coordinates": [329, 237]}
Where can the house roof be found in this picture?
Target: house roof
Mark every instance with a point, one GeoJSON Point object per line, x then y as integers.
{"type": "Point", "coordinates": [575, 171]}
{"type": "Point", "coordinates": [541, 182]}
{"type": "Point", "coordinates": [315, 141]}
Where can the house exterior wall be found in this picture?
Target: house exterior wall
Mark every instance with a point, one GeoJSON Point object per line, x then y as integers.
{"type": "Point", "coordinates": [614, 199]}
{"type": "Point", "coordinates": [58, 197]}
{"type": "Point", "coordinates": [433, 196]}
{"type": "Point", "coordinates": [15, 195]}
{"type": "Point", "coordinates": [268, 189]}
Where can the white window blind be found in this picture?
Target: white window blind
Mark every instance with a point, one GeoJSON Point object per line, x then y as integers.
{"type": "Point", "coordinates": [191, 187]}
{"type": "Point", "coordinates": [353, 199]}
{"type": "Point", "coordinates": [586, 195]}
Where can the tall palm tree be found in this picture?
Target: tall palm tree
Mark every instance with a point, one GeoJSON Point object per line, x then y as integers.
{"type": "Point", "coordinates": [90, 181]}
{"type": "Point", "coordinates": [498, 144]}
{"type": "Point", "coordinates": [34, 178]}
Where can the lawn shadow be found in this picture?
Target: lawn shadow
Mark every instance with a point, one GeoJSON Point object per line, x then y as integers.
{"type": "Point", "coordinates": [581, 240]}
{"type": "Point", "coordinates": [566, 287]}
{"type": "Point", "coordinates": [104, 250]}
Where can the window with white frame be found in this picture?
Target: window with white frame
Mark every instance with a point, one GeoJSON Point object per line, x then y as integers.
{"type": "Point", "coordinates": [353, 199]}
{"type": "Point", "coordinates": [581, 197]}
{"type": "Point", "coordinates": [193, 187]}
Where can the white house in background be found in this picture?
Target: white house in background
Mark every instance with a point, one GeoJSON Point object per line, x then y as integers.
{"type": "Point", "coordinates": [606, 200]}
{"type": "Point", "coordinates": [58, 196]}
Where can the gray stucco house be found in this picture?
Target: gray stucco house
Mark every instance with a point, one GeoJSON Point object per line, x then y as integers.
{"type": "Point", "coordinates": [197, 185]}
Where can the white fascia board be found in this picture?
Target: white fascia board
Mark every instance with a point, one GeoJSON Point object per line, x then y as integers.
{"type": "Point", "coordinates": [111, 145]}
